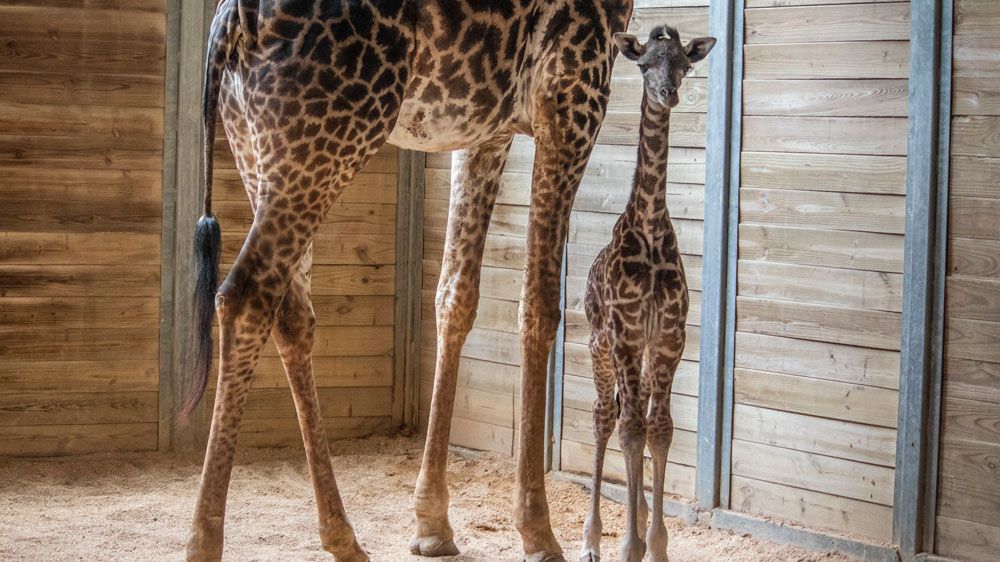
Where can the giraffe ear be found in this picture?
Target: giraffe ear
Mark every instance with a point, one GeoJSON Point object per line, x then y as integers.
{"type": "Point", "coordinates": [697, 49]}
{"type": "Point", "coordinates": [629, 45]}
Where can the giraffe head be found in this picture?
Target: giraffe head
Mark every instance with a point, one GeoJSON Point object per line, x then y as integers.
{"type": "Point", "coordinates": [663, 61]}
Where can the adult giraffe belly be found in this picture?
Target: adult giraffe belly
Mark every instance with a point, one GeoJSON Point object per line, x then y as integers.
{"type": "Point", "coordinates": [442, 126]}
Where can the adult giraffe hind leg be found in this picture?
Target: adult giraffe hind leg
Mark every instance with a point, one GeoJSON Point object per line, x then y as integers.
{"type": "Point", "coordinates": [476, 176]}
{"type": "Point", "coordinates": [293, 333]}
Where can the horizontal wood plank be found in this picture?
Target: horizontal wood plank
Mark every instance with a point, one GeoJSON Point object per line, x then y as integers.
{"type": "Point", "coordinates": [829, 399]}
{"type": "Point", "coordinates": [849, 173]}
{"type": "Point", "coordinates": [825, 98]}
{"type": "Point", "coordinates": [814, 209]}
{"type": "Point", "coordinates": [844, 363]}
{"type": "Point", "coordinates": [812, 24]}
{"type": "Point", "coordinates": [54, 440]}
{"type": "Point", "coordinates": [846, 60]}
{"type": "Point", "coordinates": [833, 324]}
{"type": "Point", "coordinates": [884, 136]}
{"type": "Point", "coordinates": [824, 511]}
{"type": "Point", "coordinates": [826, 248]}
{"type": "Point", "coordinates": [821, 285]}
{"type": "Point", "coordinates": [814, 472]}
{"type": "Point", "coordinates": [822, 436]}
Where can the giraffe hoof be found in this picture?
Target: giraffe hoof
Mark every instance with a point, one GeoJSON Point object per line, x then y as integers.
{"type": "Point", "coordinates": [433, 547]}
{"type": "Point", "coordinates": [590, 557]}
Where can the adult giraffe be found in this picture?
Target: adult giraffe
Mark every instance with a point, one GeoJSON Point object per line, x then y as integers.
{"type": "Point", "coordinates": [310, 90]}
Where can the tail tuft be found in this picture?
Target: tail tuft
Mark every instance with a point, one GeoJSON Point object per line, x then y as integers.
{"type": "Point", "coordinates": [207, 249]}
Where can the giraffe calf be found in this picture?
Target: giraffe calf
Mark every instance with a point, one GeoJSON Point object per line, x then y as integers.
{"type": "Point", "coordinates": [637, 304]}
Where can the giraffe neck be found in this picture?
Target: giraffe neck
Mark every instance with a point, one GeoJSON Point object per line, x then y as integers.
{"type": "Point", "coordinates": [647, 204]}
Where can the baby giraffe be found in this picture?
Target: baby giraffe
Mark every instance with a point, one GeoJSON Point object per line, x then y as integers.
{"type": "Point", "coordinates": [637, 303]}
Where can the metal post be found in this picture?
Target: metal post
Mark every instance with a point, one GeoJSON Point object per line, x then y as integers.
{"type": "Point", "coordinates": [920, 363]}
{"type": "Point", "coordinates": [725, 70]}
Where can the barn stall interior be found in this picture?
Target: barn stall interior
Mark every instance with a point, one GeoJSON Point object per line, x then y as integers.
{"type": "Point", "coordinates": [834, 182]}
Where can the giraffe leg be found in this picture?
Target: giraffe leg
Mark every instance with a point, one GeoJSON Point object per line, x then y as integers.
{"type": "Point", "coordinates": [245, 305]}
{"type": "Point", "coordinates": [561, 154]}
{"type": "Point", "coordinates": [476, 176]}
{"type": "Point", "coordinates": [605, 414]}
{"type": "Point", "coordinates": [293, 334]}
{"type": "Point", "coordinates": [632, 436]}
{"type": "Point", "coordinates": [661, 364]}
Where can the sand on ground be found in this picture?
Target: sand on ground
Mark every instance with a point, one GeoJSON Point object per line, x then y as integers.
{"type": "Point", "coordinates": [137, 506]}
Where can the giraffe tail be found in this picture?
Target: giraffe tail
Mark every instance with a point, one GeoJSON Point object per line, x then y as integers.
{"type": "Point", "coordinates": [207, 233]}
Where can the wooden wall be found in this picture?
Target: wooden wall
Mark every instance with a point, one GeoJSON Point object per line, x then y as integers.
{"type": "Point", "coordinates": [353, 286]}
{"type": "Point", "coordinates": [81, 137]}
{"type": "Point", "coordinates": [968, 513]}
{"type": "Point", "coordinates": [601, 200]}
{"type": "Point", "coordinates": [819, 296]}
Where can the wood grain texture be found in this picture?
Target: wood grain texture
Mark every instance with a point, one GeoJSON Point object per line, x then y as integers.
{"type": "Point", "coordinates": [52, 440]}
{"type": "Point", "coordinates": [978, 135]}
{"type": "Point", "coordinates": [835, 211]}
{"type": "Point", "coordinates": [975, 258]}
{"type": "Point", "coordinates": [833, 324]}
{"type": "Point", "coordinates": [814, 472]}
{"type": "Point", "coordinates": [821, 436]}
{"type": "Point", "coordinates": [975, 96]}
{"type": "Point", "coordinates": [963, 539]}
{"type": "Point", "coordinates": [826, 248]}
{"type": "Point", "coordinates": [976, 56]}
{"type": "Point", "coordinates": [810, 24]}
{"type": "Point", "coordinates": [885, 136]}
{"type": "Point", "coordinates": [969, 485]}
{"type": "Point", "coordinates": [824, 172]}
{"type": "Point", "coordinates": [821, 285]}
{"type": "Point", "coordinates": [972, 339]}
{"type": "Point", "coordinates": [829, 361]}
{"type": "Point", "coordinates": [817, 509]}
{"type": "Point", "coordinates": [970, 421]}
{"type": "Point", "coordinates": [845, 60]}
{"type": "Point", "coordinates": [848, 402]}
{"type": "Point", "coordinates": [971, 380]}
{"type": "Point", "coordinates": [825, 98]}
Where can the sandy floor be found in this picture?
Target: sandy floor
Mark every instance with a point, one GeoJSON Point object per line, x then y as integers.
{"type": "Point", "coordinates": [137, 507]}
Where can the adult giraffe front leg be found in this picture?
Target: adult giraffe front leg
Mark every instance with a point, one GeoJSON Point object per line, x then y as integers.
{"type": "Point", "coordinates": [562, 147]}
{"type": "Point", "coordinates": [475, 181]}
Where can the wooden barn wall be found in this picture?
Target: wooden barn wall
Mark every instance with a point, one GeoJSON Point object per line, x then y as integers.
{"type": "Point", "coordinates": [353, 287]}
{"type": "Point", "coordinates": [968, 512]}
{"type": "Point", "coordinates": [820, 244]}
{"type": "Point", "coordinates": [81, 143]}
{"type": "Point", "coordinates": [602, 198]}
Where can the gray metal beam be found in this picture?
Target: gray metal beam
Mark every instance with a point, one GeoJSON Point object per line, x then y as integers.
{"type": "Point", "coordinates": [920, 365]}
{"type": "Point", "coordinates": [719, 265]}
{"type": "Point", "coordinates": [799, 536]}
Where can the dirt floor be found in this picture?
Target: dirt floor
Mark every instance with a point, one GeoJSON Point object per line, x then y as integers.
{"type": "Point", "coordinates": [138, 507]}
